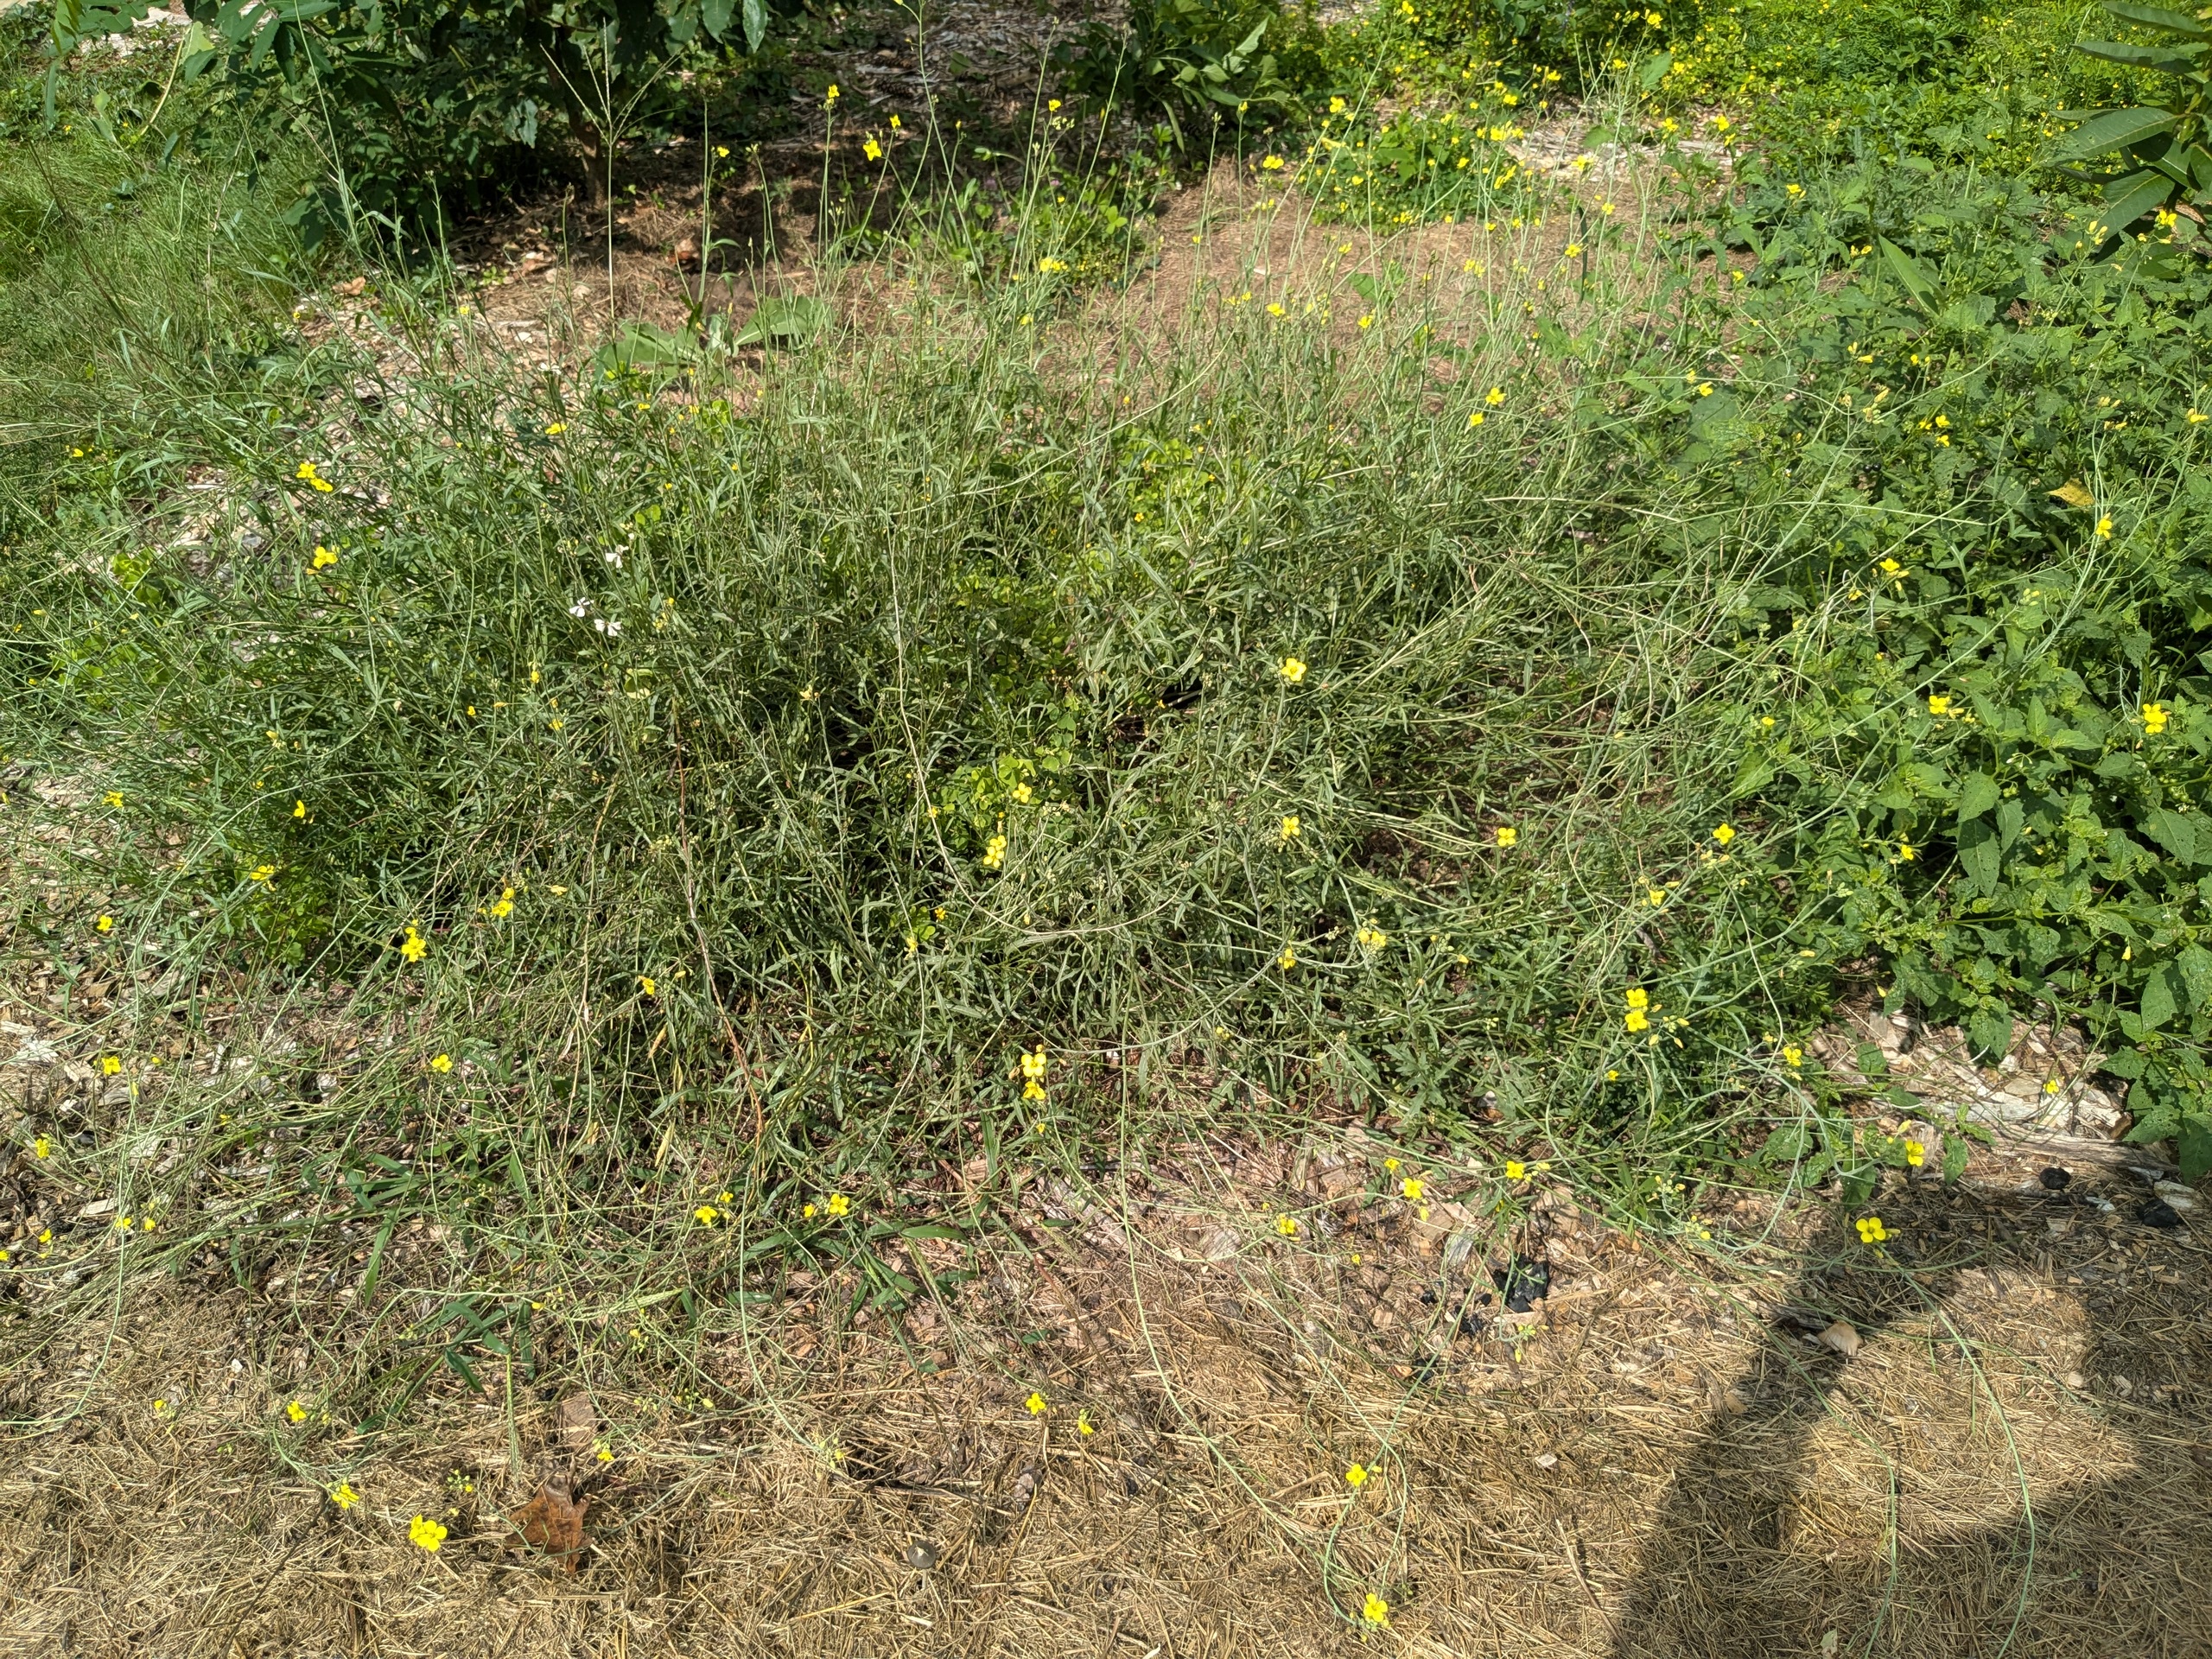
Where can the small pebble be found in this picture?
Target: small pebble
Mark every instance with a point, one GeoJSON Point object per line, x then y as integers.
{"type": "Point", "coordinates": [1546, 1461]}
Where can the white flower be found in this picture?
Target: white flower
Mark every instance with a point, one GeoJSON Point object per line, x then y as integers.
{"type": "Point", "coordinates": [581, 609]}
{"type": "Point", "coordinates": [609, 628]}
{"type": "Point", "coordinates": [613, 557]}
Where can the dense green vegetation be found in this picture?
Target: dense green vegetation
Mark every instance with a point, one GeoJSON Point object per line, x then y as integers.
{"type": "Point", "coordinates": [1524, 706]}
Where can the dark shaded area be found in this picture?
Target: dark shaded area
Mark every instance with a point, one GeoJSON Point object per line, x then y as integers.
{"type": "Point", "coordinates": [2118, 1561]}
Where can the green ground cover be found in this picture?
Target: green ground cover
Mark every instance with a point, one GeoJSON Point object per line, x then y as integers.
{"type": "Point", "coordinates": [1503, 720]}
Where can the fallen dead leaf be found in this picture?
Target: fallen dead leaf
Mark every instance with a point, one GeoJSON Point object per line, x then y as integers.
{"type": "Point", "coordinates": [1840, 1337]}
{"type": "Point", "coordinates": [554, 1522]}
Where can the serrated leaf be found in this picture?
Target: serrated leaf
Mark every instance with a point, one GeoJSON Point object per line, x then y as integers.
{"type": "Point", "coordinates": [2158, 997]}
{"type": "Point", "coordinates": [2074, 495]}
{"type": "Point", "coordinates": [1955, 1150]}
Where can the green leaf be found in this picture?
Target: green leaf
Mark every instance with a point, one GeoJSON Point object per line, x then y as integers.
{"type": "Point", "coordinates": [715, 14]}
{"type": "Point", "coordinates": [2157, 17]}
{"type": "Point", "coordinates": [2193, 1142]}
{"type": "Point", "coordinates": [1980, 856]}
{"type": "Point", "coordinates": [2195, 965]}
{"type": "Point", "coordinates": [2158, 1001]}
{"type": "Point", "coordinates": [2160, 59]}
{"type": "Point", "coordinates": [2113, 129]}
{"type": "Point", "coordinates": [2175, 832]}
{"type": "Point", "coordinates": [1955, 1149]}
{"type": "Point", "coordinates": [1978, 792]}
{"type": "Point", "coordinates": [2127, 200]}
{"type": "Point", "coordinates": [783, 320]}
{"type": "Point", "coordinates": [756, 24]}
{"type": "Point", "coordinates": [1990, 1032]}
{"type": "Point", "coordinates": [1653, 70]}
{"type": "Point", "coordinates": [1907, 270]}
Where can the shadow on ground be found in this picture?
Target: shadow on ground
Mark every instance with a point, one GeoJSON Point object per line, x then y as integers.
{"type": "Point", "coordinates": [1762, 1544]}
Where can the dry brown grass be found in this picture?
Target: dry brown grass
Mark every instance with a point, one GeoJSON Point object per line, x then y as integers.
{"type": "Point", "coordinates": [1660, 1460]}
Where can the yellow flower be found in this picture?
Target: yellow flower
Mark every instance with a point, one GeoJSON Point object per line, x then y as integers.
{"type": "Point", "coordinates": [426, 1532]}
{"type": "Point", "coordinates": [1475, 419]}
{"type": "Point", "coordinates": [1573, 249]}
{"type": "Point", "coordinates": [645, 984]}
{"type": "Point", "coordinates": [2197, 418]}
{"type": "Point", "coordinates": [840, 1205]}
{"type": "Point", "coordinates": [1412, 1187]}
{"type": "Point", "coordinates": [1367, 321]}
{"type": "Point", "coordinates": [111, 1064]}
{"type": "Point", "coordinates": [808, 1212]}
{"type": "Point", "coordinates": [1724, 833]}
{"type": "Point", "coordinates": [442, 1063]}
{"type": "Point", "coordinates": [1508, 835]}
{"type": "Point", "coordinates": [872, 150]}
{"type": "Point", "coordinates": [299, 809]}
{"type": "Point", "coordinates": [1494, 397]}
{"type": "Point", "coordinates": [704, 1215]}
{"type": "Point", "coordinates": [161, 1406]}
{"type": "Point", "coordinates": [1273, 164]}
{"type": "Point", "coordinates": [261, 872]}
{"type": "Point", "coordinates": [1036, 1402]}
{"type": "Point", "coordinates": [1082, 1423]}
{"type": "Point", "coordinates": [1373, 937]}
{"type": "Point", "coordinates": [831, 96]}
{"type": "Point", "coordinates": [42, 1147]}
{"type": "Point", "coordinates": [344, 1496]}
{"type": "Point", "coordinates": [1292, 670]}
{"type": "Point", "coordinates": [1657, 896]}
{"type": "Point", "coordinates": [1939, 705]}
{"type": "Point", "coordinates": [1287, 961]}
{"type": "Point", "coordinates": [1390, 1164]}
{"type": "Point", "coordinates": [1636, 1019]}
{"type": "Point", "coordinates": [308, 474]}
{"type": "Point", "coordinates": [1274, 308]}
{"type": "Point", "coordinates": [2104, 527]}
{"type": "Point", "coordinates": [1915, 1154]}
{"type": "Point", "coordinates": [554, 430]}
{"type": "Point", "coordinates": [994, 853]}
{"type": "Point", "coordinates": [603, 1451]}
{"type": "Point", "coordinates": [414, 946]}
{"type": "Point", "coordinates": [1032, 1090]}
{"type": "Point", "coordinates": [1355, 1476]}
{"type": "Point", "coordinates": [1376, 1611]}
{"type": "Point", "coordinates": [2154, 719]}
{"type": "Point", "coordinates": [1515, 1170]}
{"type": "Point", "coordinates": [1870, 1231]}
{"type": "Point", "coordinates": [104, 924]}
{"type": "Point", "coordinates": [324, 558]}
{"type": "Point", "coordinates": [1906, 851]}
{"type": "Point", "coordinates": [1051, 267]}
{"type": "Point", "coordinates": [113, 798]}
{"type": "Point", "coordinates": [1637, 997]}
{"type": "Point", "coordinates": [1792, 1056]}
{"type": "Point", "coordinates": [1286, 1225]}
{"type": "Point", "coordinates": [1290, 830]}
{"type": "Point", "coordinates": [296, 1412]}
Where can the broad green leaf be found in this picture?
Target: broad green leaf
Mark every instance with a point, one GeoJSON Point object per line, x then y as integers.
{"type": "Point", "coordinates": [1980, 856]}
{"type": "Point", "coordinates": [2195, 965]}
{"type": "Point", "coordinates": [785, 321]}
{"type": "Point", "coordinates": [2193, 1142]}
{"type": "Point", "coordinates": [2115, 130]}
{"type": "Point", "coordinates": [2157, 17]}
{"type": "Point", "coordinates": [2160, 59]}
{"type": "Point", "coordinates": [2174, 831]}
{"type": "Point", "coordinates": [715, 14]}
{"type": "Point", "coordinates": [1978, 792]}
{"type": "Point", "coordinates": [756, 24]}
{"type": "Point", "coordinates": [1990, 1032]}
{"type": "Point", "coordinates": [1907, 270]}
{"type": "Point", "coordinates": [2158, 997]}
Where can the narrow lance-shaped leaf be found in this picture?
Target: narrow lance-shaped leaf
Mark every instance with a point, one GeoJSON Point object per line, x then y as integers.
{"type": "Point", "coordinates": [2115, 129]}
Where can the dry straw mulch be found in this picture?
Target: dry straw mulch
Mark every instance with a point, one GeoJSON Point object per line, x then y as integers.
{"type": "Point", "coordinates": [1666, 1456]}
